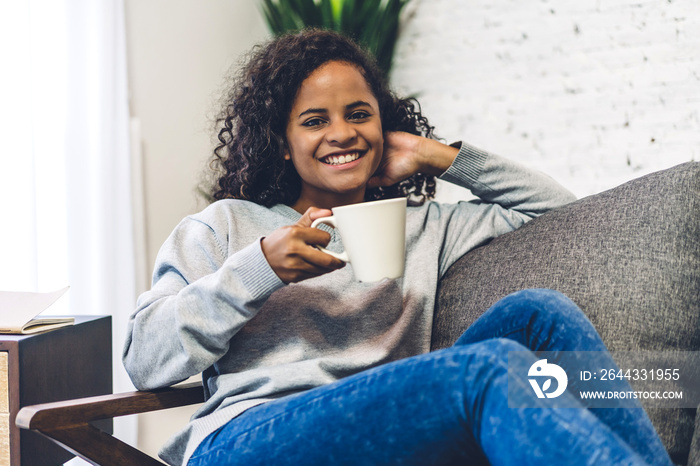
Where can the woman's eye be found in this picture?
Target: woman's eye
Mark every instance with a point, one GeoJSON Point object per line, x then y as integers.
{"type": "Point", "coordinates": [359, 115]}
{"type": "Point", "coordinates": [312, 122]}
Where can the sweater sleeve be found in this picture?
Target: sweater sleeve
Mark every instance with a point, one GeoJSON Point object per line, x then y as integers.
{"type": "Point", "coordinates": [199, 299]}
{"type": "Point", "coordinates": [508, 193]}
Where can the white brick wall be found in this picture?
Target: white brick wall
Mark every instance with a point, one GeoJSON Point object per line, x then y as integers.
{"type": "Point", "coordinates": [592, 92]}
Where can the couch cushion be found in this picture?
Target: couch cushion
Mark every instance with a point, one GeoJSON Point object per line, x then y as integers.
{"type": "Point", "coordinates": [629, 257]}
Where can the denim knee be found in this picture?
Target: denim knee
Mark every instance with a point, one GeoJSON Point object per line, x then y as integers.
{"type": "Point", "coordinates": [539, 319]}
{"type": "Point", "coordinates": [544, 300]}
{"type": "Point", "coordinates": [498, 348]}
{"type": "Point", "coordinates": [541, 295]}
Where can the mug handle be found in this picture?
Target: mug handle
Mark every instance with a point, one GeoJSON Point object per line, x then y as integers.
{"type": "Point", "coordinates": [343, 256]}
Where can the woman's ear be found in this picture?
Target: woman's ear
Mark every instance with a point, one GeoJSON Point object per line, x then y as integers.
{"type": "Point", "coordinates": [285, 150]}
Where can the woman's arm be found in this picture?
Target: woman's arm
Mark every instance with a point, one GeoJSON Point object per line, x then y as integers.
{"type": "Point", "coordinates": [509, 194]}
{"type": "Point", "coordinates": [492, 178]}
{"type": "Point", "coordinates": [201, 297]}
{"type": "Point", "coordinates": [502, 181]}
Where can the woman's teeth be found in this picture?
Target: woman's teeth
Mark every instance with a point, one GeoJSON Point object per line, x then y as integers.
{"type": "Point", "coordinates": [341, 159]}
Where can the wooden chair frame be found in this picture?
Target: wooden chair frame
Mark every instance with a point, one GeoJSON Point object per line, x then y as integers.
{"type": "Point", "coordinates": [67, 423]}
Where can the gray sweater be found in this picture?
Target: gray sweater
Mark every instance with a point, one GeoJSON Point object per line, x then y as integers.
{"type": "Point", "coordinates": [217, 307]}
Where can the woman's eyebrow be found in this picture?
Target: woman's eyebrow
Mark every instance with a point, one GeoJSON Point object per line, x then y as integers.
{"type": "Point", "coordinates": [312, 110]}
{"type": "Point", "coordinates": [359, 103]}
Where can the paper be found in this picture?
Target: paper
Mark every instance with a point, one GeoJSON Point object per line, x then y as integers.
{"type": "Point", "coordinates": [17, 308]}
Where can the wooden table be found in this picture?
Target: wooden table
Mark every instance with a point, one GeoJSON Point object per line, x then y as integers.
{"type": "Point", "coordinates": [70, 362]}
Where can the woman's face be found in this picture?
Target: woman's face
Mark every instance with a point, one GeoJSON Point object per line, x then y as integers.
{"type": "Point", "coordinates": [334, 136]}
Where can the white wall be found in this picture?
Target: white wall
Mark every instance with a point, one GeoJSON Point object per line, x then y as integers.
{"type": "Point", "coordinates": [179, 53]}
{"type": "Point", "coordinates": [593, 92]}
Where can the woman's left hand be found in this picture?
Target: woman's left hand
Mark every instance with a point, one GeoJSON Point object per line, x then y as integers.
{"type": "Point", "coordinates": [406, 154]}
{"type": "Point", "coordinates": [400, 159]}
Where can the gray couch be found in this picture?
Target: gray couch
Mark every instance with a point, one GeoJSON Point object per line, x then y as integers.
{"type": "Point", "coordinates": [629, 257]}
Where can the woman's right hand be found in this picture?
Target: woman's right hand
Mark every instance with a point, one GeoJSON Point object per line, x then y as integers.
{"type": "Point", "coordinates": [291, 250]}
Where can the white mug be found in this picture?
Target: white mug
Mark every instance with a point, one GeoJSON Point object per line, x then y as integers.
{"type": "Point", "coordinates": [373, 235]}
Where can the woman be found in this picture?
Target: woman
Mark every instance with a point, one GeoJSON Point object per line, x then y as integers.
{"type": "Point", "coordinates": [302, 364]}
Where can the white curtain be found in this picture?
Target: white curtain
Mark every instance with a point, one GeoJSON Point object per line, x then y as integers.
{"type": "Point", "coordinates": [65, 183]}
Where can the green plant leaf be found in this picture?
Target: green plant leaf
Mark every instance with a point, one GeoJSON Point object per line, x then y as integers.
{"type": "Point", "coordinates": [328, 15]}
{"type": "Point", "coordinates": [374, 24]}
{"type": "Point", "coordinates": [273, 17]}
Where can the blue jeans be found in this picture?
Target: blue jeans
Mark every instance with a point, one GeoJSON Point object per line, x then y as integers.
{"type": "Point", "coordinates": [446, 407]}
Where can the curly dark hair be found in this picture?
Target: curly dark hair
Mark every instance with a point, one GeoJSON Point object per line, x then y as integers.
{"type": "Point", "coordinates": [248, 162]}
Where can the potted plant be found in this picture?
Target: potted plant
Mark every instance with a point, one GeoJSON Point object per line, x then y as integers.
{"type": "Point", "coordinates": [372, 23]}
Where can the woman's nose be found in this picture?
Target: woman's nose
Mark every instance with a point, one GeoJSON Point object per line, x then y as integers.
{"type": "Point", "coordinates": [341, 132]}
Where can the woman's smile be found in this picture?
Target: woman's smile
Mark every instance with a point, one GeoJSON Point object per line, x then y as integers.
{"type": "Point", "coordinates": [342, 159]}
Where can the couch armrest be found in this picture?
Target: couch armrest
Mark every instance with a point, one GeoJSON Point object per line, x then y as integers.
{"type": "Point", "coordinates": [68, 422]}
